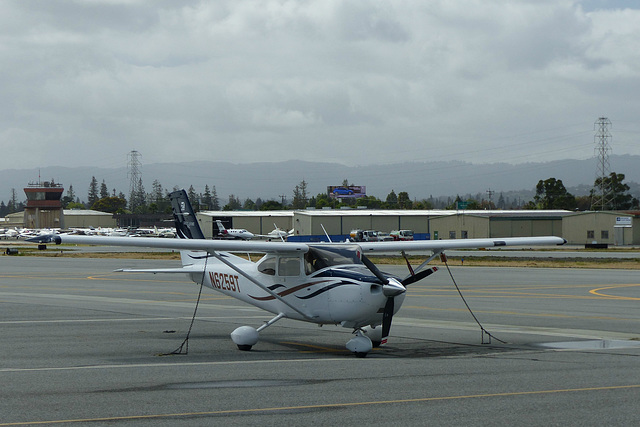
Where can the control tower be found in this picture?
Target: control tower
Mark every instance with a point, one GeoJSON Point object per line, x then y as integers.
{"type": "Point", "coordinates": [44, 207]}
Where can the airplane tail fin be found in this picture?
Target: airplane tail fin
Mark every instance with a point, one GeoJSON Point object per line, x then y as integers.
{"type": "Point", "coordinates": [186, 223]}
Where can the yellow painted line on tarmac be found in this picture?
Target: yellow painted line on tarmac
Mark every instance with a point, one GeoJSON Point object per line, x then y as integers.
{"type": "Point", "coordinates": [615, 297]}
{"type": "Point", "coordinates": [94, 277]}
{"type": "Point", "coordinates": [249, 411]}
{"type": "Point", "coordinates": [515, 313]}
{"type": "Point", "coordinates": [474, 294]}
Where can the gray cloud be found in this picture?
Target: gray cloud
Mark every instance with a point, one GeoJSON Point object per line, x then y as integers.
{"type": "Point", "coordinates": [344, 81]}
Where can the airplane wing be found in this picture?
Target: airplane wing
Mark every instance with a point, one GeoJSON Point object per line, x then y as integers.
{"type": "Point", "coordinates": [442, 245]}
{"type": "Point", "coordinates": [288, 247]}
{"type": "Point", "coordinates": [177, 244]}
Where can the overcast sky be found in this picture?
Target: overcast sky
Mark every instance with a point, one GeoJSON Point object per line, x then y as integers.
{"type": "Point", "coordinates": [354, 82]}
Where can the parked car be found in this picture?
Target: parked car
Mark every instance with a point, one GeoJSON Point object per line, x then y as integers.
{"type": "Point", "coordinates": [402, 234]}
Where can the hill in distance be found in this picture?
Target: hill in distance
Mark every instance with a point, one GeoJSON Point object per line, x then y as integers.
{"type": "Point", "coordinates": [274, 180]}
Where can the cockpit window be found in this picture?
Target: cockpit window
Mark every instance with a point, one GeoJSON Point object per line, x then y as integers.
{"type": "Point", "coordinates": [318, 257]}
{"type": "Point", "coordinates": [268, 266]}
{"type": "Point", "coordinates": [289, 266]}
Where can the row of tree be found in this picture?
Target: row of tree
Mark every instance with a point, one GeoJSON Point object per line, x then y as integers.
{"type": "Point", "coordinates": [614, 195]}
{"type": "Point", "coordinates": [550, 194]}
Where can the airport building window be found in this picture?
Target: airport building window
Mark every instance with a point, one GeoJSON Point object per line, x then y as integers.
{"type": "Point", "coordinates": [604, 234]}
{"type": "Point", "coordinates": [591, 234]}
{"type": "Point", "coordinates": [464, 234]}
{"type": "Point", "coordinates": [452, 234]}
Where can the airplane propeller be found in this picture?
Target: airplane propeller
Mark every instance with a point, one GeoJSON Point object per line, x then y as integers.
{"type": "Point", "coordinates": [391, 289]}
{"type": "Point", "coordinates": [418, 276]}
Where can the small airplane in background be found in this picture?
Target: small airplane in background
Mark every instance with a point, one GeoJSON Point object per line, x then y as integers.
{"type": "Point", "coordinates": [277, 233]}
{"type": "Point", "coordinates": [233, 233]}
{"type": "Point", "coordinates": [26, 233]}
{"type": "Point", "coordinates": [321, 283]}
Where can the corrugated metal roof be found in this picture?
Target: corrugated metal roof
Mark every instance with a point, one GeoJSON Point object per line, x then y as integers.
{"type": "Point", "coordinates": [86, 212]}
{"type": "Point", "coordinates": [247, 213]}
{"type": "Point", "coordinates": [398, 212]}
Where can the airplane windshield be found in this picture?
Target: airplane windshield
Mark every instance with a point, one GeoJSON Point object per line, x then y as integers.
{"type": "Point", "coordinates": [318, 258]}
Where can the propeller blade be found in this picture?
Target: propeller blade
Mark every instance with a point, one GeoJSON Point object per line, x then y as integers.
{"type": "Point", "coordinates": [418, 276]}
{"type": "Point", "coordinates": [386, 319]}
{"type": "Point", "coordinates": [372, 267]}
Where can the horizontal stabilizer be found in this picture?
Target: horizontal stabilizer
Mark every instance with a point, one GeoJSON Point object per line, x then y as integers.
{"type": "Point", "coordinates": [185, 270]}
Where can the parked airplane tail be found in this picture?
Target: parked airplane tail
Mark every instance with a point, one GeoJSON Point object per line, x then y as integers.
{"type": "Point", "coordinates": [221, 229]}
{"type": "Point", "coordinates": [186, 222]}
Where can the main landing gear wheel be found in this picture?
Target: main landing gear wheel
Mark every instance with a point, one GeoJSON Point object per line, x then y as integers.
{"type": "Point", "coordinates": [245, 337]}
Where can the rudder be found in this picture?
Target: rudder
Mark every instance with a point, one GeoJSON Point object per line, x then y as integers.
{"type": "Point", "coordinates": [185, 219]}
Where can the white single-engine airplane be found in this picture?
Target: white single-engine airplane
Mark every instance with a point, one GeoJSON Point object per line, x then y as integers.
{"type": "Point", "coordinates": [233, 233]}
{"type": "Point", "coordinates": [323, 283]}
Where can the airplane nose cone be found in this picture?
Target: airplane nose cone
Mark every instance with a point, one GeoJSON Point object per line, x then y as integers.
{"type": "Point", "coordinates": [393, 288]}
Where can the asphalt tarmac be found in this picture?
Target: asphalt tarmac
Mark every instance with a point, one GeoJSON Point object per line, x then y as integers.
{"type": "Point", "coordinates": [83, 345]}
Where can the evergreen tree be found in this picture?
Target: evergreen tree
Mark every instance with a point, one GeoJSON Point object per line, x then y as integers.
{"type": "Point", "coordinates": [392, 200]}
{"type": "Point", "coordinates": [300, 197]}
{"type": "Point", "coordinates": [206, 198]}
{"type": "Point", "coordinates": [104, 191]}
{"type": "Point", "coordinates": [234, 204]}
{"type": "Point", "coordinates": [138, 202]}
{"type": "Point", "coordinates": [157, 194]}
{"type": "Point", "coordinates": [404, 202]}
{"type": "Point", "coordinates": [69, 198]}
{"type": "Point", "coordinates": [215, 202]}
{"type": "Point", "coordinates": [13, 202]}
{"type": "Point", "coordinates": [249, 205]}
{"type": "Point", "coordinates": [193, 198]}
{"type": "Point", "coordinates": [93, 192]}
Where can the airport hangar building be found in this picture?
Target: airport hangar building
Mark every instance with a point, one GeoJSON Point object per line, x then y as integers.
{"type": "Point", "coordinates": [579, 228]}
{"type": "Point", "coordinates": [72, 218]}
